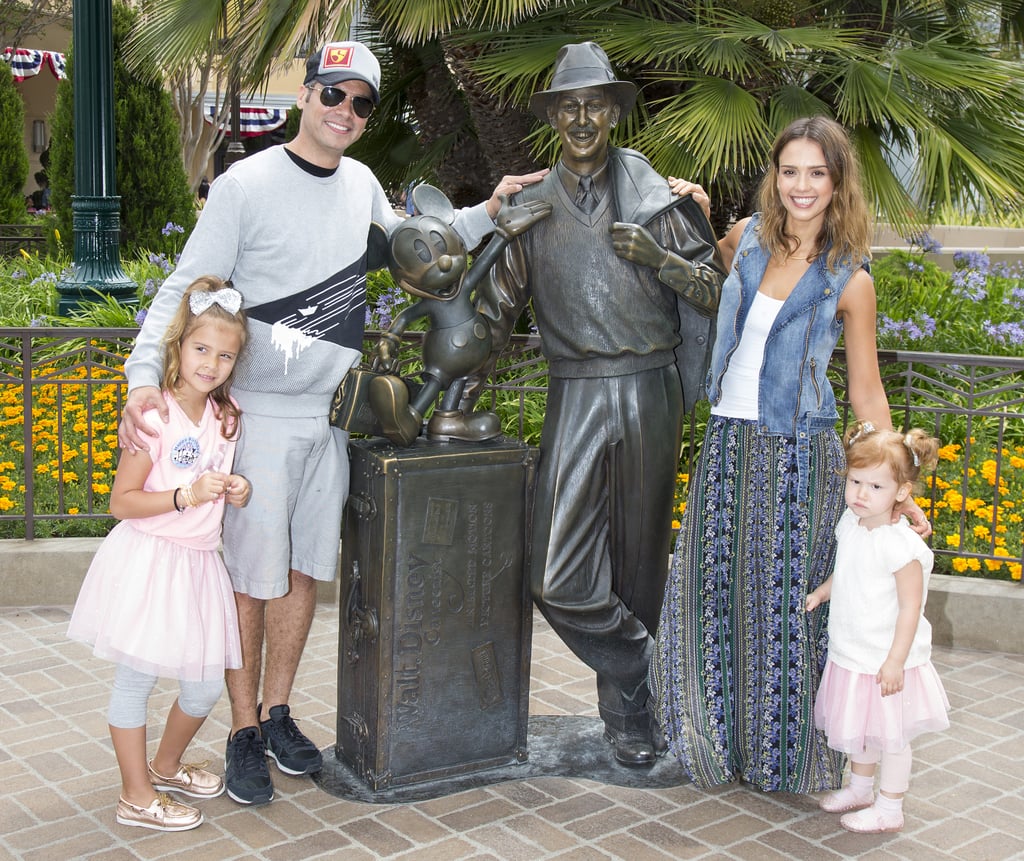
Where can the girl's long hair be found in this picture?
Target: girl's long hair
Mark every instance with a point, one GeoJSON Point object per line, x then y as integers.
{"type": "Point", "coordinates": [846, 230]}
{"type": "Point", "coordinates": [182, 324]}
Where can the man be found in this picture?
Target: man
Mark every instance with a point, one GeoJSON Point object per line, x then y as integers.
{"type": "Point", "coordinates": [288, 226]}
{"type": "Point", "coordinates": [611, 298]}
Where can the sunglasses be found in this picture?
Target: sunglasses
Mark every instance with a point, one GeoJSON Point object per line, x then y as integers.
{"type": "Point", "coordinates": [331, 97]}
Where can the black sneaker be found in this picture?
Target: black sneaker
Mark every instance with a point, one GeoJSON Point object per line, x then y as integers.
{"type": "Point", "coordinates": [286, 745]}
{"type": "Point", "coordinates": [246, 775]}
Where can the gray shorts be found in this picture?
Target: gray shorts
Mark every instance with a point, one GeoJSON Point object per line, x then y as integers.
{"type": "Point", "coordinates": [299, 469]}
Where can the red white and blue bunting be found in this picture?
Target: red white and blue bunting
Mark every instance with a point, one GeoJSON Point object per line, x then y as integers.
{"type": "Point", "coordinates": [27, 62]}
{"type": "Point", "coordinates": [254, 121]}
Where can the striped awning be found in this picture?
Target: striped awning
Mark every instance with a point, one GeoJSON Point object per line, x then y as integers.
{"type": "Point", "coordinates": [26, 62]}
{"type": "Point", "coordinates": [254, 120]}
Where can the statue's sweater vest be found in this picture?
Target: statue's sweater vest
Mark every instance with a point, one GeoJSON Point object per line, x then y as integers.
{"type": "Point", "coordinates": [598, 315]}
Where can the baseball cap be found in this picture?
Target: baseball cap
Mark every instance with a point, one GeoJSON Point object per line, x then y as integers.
{"type": "Point", "coordinates": [344, 61]}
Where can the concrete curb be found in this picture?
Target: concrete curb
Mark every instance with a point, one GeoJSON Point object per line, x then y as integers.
{"type": "Point", "coordinates": [965, 613]}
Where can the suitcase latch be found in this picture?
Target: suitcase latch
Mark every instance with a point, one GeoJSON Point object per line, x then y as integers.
{"type": "Point", "coordinates": [362, 621]}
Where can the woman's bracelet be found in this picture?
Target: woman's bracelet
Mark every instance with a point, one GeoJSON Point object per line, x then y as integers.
{"type": "Point", "coordinates": [179, 508]}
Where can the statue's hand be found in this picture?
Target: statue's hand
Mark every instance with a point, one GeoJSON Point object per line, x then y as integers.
{"type": "Point", "coordinates": [514, 220]}
{"type": "Point", "coordinates": [635, 243]}
{"type": "Point", "coordinates": [385, 354]}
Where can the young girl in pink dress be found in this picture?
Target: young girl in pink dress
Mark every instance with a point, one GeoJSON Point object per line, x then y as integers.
{"type": "Point", "coordinates": [157, 599]}
{"type": "Point", "coordinates": [879, 689]}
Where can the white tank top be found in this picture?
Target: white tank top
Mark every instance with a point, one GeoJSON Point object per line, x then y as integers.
{"type": "Point", "coordinates": [739, 384]}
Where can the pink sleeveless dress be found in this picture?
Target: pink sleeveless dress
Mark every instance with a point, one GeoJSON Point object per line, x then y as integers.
{"type": "Point", "coordinates": [157, 597]}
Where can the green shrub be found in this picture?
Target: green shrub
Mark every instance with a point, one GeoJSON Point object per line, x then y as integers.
{"type": "Point", "coordinates": [151, 179]}
{"type": "Point", "coordinates": [13, 158]}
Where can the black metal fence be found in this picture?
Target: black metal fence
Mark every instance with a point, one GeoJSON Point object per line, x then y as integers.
{"type": "Point", "coordinates": [62, 390]}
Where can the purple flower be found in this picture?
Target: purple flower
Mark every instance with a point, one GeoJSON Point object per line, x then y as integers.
{"type": "Point", "coordinates": [170, 227]}
{"type": "Point", "coordinates": [44, 278]}
{"type": "Point", "coordinates": [913, 330]}
{"type": "Point", "coordinates": [915, 267]}
{"type": "Point", "coordinates": [151, 286]}
{"type": "Point", "coordinates": [973, 260]}
{"type": "Point", "coordinates": [925, 242]}
{"type": "Point", "coordinates": [140, 318]}
{"type": "Point", "coordinates": [1012, 333]}
{"type": "Point", "coordinates": [969, 283]}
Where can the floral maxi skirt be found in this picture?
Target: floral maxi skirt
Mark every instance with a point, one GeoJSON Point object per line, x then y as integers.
{"type": "Point", "coordinates": [737, 658]}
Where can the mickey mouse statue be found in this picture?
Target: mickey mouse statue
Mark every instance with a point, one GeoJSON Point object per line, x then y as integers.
{"type": "Point", "coordinates": [428, 259]}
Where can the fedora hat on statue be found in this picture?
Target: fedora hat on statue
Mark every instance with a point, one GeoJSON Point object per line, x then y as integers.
{"type": "Point", "coordinates": [578, 67]}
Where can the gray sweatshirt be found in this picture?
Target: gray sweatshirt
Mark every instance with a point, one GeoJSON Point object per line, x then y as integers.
{"type": "Point", "coordinates": [294, 245]}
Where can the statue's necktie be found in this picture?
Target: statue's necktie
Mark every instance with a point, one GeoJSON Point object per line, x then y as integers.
{"type": "Point", "coordinates": [586, 198]}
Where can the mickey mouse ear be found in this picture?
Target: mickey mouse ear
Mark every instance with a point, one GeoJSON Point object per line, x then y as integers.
{"type": "Point", "coordinates": [432, 201]}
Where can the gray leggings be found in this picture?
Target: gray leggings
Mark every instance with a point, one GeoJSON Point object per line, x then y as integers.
{"type": "Point", "coordinates": [131, 694]}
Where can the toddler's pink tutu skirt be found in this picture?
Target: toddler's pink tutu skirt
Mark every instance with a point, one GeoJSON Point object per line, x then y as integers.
{"type": "Point", "coordinates": [158, 607]}
{"type": "Point", "coordinates": [853, 713]}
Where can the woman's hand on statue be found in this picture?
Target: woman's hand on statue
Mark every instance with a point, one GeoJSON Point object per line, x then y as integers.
{"type": "Point", "coordinates": [683, 187]}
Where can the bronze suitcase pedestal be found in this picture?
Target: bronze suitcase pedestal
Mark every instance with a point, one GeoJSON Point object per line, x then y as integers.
{"type": "Point", "coordinates": [434, 641]}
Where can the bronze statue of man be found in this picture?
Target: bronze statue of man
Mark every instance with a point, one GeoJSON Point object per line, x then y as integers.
{"type": "Point", "coordinates": [625, 280]}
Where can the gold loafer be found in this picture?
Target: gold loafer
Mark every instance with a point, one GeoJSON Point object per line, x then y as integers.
{"type": "Point", "coordinates": [164, 814]}
{"type": "Point", "coordinates": [191, 779]}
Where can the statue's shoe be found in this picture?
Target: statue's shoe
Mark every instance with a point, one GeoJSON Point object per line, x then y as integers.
{"type": "Point", "coordinates": [389, 399]}
{"type": "Point", "coordinates": [447, 425]}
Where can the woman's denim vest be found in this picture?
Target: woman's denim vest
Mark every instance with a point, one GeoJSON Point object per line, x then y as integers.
{"type": "Point", "coordinates": [795, 398]}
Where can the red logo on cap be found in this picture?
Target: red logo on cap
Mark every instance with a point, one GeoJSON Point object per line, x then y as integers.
{"type": "Point", "coordinates": [337, 58]}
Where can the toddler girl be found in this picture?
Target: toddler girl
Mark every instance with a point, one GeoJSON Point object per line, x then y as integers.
{"type": "Point", "coordinates": [879, 689]}
{"type": "Point", "coordinates": [157, 599]}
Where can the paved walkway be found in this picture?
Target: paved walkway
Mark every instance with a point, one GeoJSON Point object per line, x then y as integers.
{"type": "Point", "coordinates": [59, 783]}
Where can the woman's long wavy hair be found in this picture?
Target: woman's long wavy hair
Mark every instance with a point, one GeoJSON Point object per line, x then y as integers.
{"type": "Point", "coordinates": [846, 230]}
{"type": "Point", "coordinates": [181, 326]}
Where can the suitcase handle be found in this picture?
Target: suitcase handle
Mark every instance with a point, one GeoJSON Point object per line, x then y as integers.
{"type": "Point", "coordinates": [362, 621]}
{"type": "Point", "coordinates": [363, 506]}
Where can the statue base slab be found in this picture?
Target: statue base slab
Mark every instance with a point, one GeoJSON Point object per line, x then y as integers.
{"type": "Point", "coordinates": [559, 746]}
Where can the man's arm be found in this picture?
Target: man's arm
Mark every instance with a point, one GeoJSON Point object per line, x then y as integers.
{"type": "Point", "coordinates": [212, 249]}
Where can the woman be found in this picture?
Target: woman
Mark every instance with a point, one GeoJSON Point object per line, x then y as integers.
{"type": "Point", "coordinates": [737, 660]}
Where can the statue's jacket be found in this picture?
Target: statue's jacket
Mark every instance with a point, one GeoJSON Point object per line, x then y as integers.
{"type": "Point", "coordinates": [646, 325]}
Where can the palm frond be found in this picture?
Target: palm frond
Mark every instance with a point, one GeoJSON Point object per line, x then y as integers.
{"type": "Point", "coordinates": [717, 122]}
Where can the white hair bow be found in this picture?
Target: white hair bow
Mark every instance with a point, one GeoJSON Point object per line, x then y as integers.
{"type": "Point", "coordinates": [227, 297]}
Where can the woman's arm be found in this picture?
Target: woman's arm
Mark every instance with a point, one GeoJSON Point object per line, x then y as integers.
{"type": "Point", "coordinates": [909, 595]}
{"type": "Point", "coordinates": [858, 311]}
{"type": "Point", "coordinates": [730, 242]}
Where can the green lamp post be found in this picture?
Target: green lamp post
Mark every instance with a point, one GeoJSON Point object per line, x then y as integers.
{"type": "Point", "coordinates": [95, 206]}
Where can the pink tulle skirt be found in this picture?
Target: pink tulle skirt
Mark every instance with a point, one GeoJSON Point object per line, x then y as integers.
{"type": "Point", "coordinates": [854, 715]}
{"type": "Point", "coordinates": [158, 607]}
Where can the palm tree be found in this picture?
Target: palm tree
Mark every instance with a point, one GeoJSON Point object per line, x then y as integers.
{"type": "Point", "coordinates": [934, 107]}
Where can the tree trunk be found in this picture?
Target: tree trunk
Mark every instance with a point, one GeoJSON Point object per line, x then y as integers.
{"type": "Point", "coordinates": [442, 118]}
{"type": "Point", "coordinates": [502, 127]}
